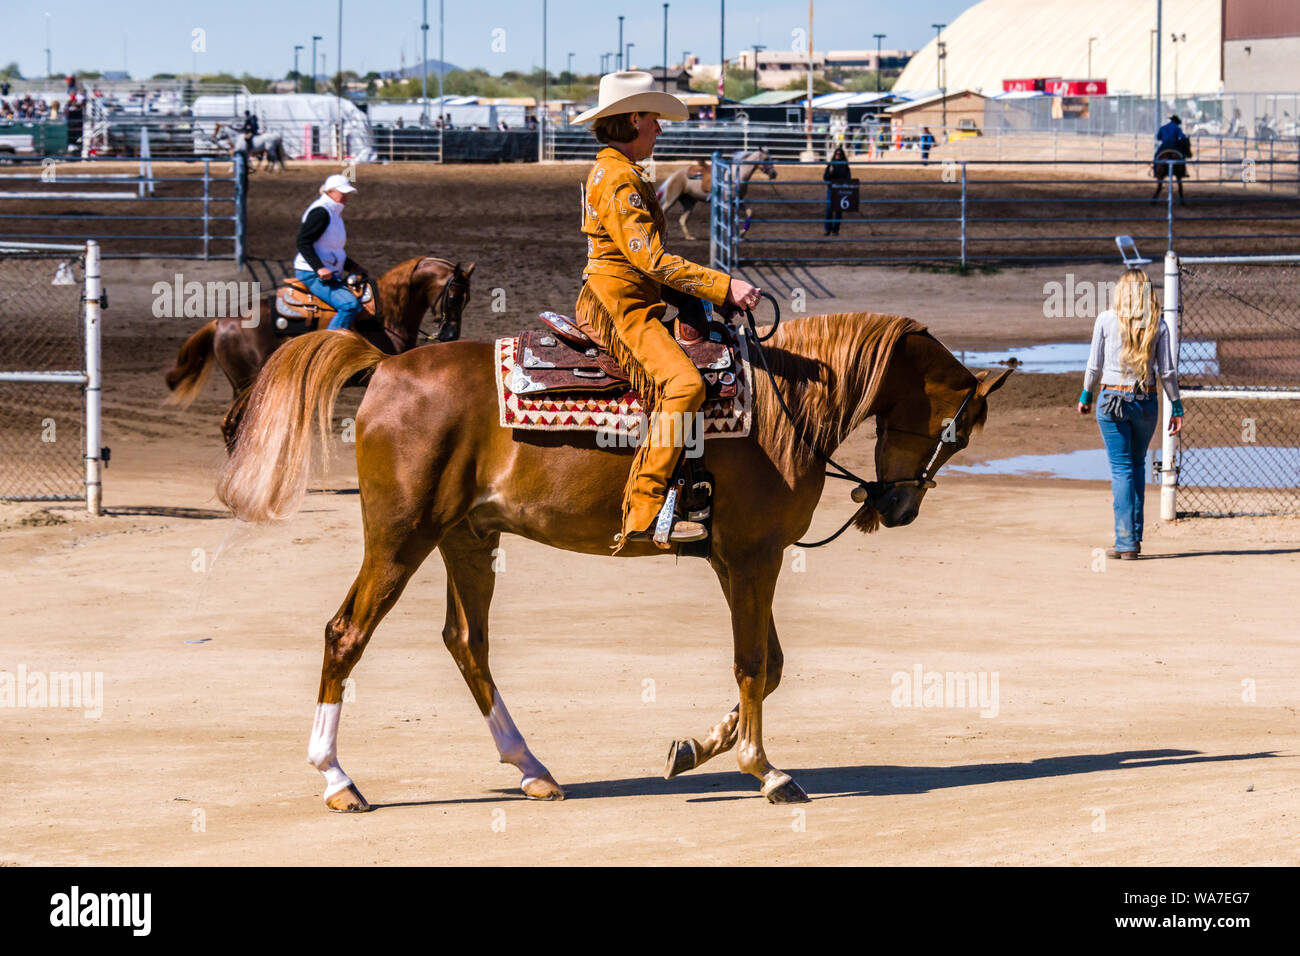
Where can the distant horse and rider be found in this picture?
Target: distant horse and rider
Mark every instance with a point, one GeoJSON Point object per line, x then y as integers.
{"type": "Point", "coordinates": [400, 300]}
{"type": "Point", "coordinates": [266, 147]}
{"type": "Point", "coordinates": [693, 184]}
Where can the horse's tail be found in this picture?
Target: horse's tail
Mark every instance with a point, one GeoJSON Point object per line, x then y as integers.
{"type": "Point", "coordinates": [266, 476]}
{"type": "Point", "coordinates": [193, 363]}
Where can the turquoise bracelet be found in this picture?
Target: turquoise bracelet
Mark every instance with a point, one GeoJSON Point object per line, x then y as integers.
{"type": "Point", "coordinates": [1085, 397]}
{"type": "Point", "coordinates": [1176, 409]}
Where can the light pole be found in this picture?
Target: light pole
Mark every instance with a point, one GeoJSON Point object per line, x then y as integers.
{"type": "Point", "coordinates": [757, 47]}
{"type": "Point", "coordinates": [722, 48]}
{"type": "Point", "coordinates": [619, 64]}
{"type": "Point", "coordinates": [940, 54]}
{"type": "Point", "coordinates": [665, 48]}
{"type": "Point", "coordinates": [441, 67]}
{"type": "Point", "coordinates": [541, 114]}
{"type": "Point", "coordinates": [49, 57]}
{"type": "Point", "coordinates": [297, 48]}
{"type": "Point", "coordinates": [314, 62]}
{"type": "Point", "coordinates": [1175, 39]}
{"type": "Point", "coordinates": [570, 69]}
{"type": "Point", "coordinates": [424, 63]}
{"type": "Point", "coordinates": [627, 60]}
{"type": "Point", "coordinates": [1151, 62]}
{"type": "Point", "coordinates": [1090, 42]}
{"type": "Point", "coordinates": [879, 37]}
{"type": "Point", "coordinates": [1160, 13]}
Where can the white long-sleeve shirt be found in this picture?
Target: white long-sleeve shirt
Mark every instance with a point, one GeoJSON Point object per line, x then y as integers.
{"type": "Point", "coordinates": [1106, 363]}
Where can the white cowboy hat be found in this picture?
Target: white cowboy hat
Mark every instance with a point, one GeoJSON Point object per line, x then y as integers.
{"type": "Point", "coordinates": [632, 91]}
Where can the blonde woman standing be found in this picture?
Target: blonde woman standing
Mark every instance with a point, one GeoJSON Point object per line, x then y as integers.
{"type": "Point", "coordinates": [1130, 350]}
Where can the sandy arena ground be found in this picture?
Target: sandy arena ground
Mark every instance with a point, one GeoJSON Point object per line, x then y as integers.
{"type": "Point", "coordinates": [1146, 711]}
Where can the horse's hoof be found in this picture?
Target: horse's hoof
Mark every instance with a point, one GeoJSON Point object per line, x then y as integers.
{"type": "Point", "coordinates": [681, 758]}
{"type": "Point", "coordinates": [348, 800]}
{"type": "Point", "coordinates": [781, 788]}
{"type": "Point", "coordinates": [541, 788]}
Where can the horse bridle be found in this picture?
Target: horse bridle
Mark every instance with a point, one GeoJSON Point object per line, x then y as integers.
{"type": "Point", "coordinates": [439, 306]}
{"type": "Point", "coordinates": [865, 491]}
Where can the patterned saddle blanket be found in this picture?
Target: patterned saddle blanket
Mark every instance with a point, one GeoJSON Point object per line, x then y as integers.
{"type": "Point", "coordinates": [556, 379]}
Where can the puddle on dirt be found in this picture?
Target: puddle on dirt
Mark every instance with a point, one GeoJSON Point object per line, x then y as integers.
{"type": "Point", "coordinates": [1196, 358]}
{"type": "Point", "coordinates": [1245, 466]}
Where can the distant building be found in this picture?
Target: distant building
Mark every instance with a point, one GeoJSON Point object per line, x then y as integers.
{"type": "Point", "coordinates": [997, 40]}
{"type": "Point", "coordinates": [776, 68]}
{"type": "Point", "coordinates": [679, 80]}
{"type": "Point", "coordinates": [1261, 46]}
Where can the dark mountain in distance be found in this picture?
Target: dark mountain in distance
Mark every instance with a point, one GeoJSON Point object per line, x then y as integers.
{"type": "Point", "coordinates": [414, 70]}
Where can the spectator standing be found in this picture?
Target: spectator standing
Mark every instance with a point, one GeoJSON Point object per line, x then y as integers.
{"type": "Point", "coordinates": [837, 171]}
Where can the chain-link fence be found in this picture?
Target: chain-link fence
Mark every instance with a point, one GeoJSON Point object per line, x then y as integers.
{"type": "Point", "coordinates": [1239, 367]}
{"type": "Point", "coordinates": [42, 437]}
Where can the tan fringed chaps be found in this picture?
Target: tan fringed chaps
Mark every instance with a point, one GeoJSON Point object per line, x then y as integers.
{"type": "Point", "coordinates": [629, 323]}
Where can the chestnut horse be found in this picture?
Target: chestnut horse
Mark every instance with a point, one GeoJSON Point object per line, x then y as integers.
{"type": "Point", "coordinates": [403, 296]}
{"type": "Point", "coordinates": [436, 470]}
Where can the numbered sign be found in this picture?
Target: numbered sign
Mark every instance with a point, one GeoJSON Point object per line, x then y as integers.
{"type": "Point", "coordinates": [845, 195]}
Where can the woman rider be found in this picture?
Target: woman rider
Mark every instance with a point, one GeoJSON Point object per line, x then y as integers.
{"type": "Point", "coordinates": [621, 305]}
{"type": "Point", "coordinates": [321, 261]}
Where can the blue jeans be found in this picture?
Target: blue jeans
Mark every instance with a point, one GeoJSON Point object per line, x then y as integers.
{"type": "Point", "coordinates": [336, 294]}
{"type": "Point", "coordinates": [1126, 429]}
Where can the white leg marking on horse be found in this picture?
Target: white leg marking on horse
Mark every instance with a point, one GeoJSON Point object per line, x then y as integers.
{"type": "Point", "coordinates": [322, 752]}
{"type": "Point", "coordinates": [510, 742]}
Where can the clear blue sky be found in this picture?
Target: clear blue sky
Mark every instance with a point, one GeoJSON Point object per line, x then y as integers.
{"type": "Point", "coordinates": [257, 36]}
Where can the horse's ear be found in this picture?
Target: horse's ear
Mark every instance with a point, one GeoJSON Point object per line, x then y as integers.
{"type": "Point", "coordinates": [990, 381]}
{"type": "Point", "coordinates": [470, 270]}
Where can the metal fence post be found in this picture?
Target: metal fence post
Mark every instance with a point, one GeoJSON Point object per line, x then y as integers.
{"type": "Point", "coordinates": [1169, 208]}
{"type": "Point", "coordinates": [94, 460]}
{"type": "Point", "coordinates": [963, 214]}
{"type": "Point", "coordinates": [714, 205]}
{"type": "Point", "coordinates": [241, 206]}
{"type": "Point", "coordinates": [207, 179]}
{"type": "Point", "coordinates": [1168, 444]}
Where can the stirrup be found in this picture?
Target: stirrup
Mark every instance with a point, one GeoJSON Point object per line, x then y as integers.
{"type": "Point", "coordinates": [682, 532]}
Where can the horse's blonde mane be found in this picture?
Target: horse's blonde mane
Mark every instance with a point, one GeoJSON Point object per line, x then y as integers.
{"type": "Point", "coordinates": [829, 369]}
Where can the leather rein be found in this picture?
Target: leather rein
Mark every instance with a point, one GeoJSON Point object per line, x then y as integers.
{"type": "Point", "coordinates": [865, 490]}
{"type": "Point", "coordinates": [438, 309]}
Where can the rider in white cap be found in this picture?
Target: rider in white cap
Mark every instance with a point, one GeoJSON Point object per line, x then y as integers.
{"type": "Point", "coordinates": [321, 262]}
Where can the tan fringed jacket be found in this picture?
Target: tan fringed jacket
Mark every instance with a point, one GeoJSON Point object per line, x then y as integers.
{"type": "Point", "coordinates": [624, 227]}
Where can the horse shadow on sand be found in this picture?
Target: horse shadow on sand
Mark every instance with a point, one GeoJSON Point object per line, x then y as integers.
{"type": "Point", "coordinates": [866, 780]}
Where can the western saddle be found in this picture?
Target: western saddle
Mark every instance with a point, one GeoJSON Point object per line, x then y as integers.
{"type": "Point", "coordinates": [561, 358]}
{"type": "Point", "coordinates": [298, 310]}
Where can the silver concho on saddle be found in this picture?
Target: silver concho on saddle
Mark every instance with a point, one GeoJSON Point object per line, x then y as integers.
{"type": "Point", "coordinates": [561, 358]}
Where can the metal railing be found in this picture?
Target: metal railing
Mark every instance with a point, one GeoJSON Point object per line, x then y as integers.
{"type": "Point", "coordinates": [182, 210]}
{"type": "Point", "coordinates": [972, 212]}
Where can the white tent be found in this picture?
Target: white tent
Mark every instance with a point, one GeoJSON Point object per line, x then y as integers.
{"type": "Point", "coordinates": [465, 111]}
{"type": "Point", "coordinates": [308, 122]}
